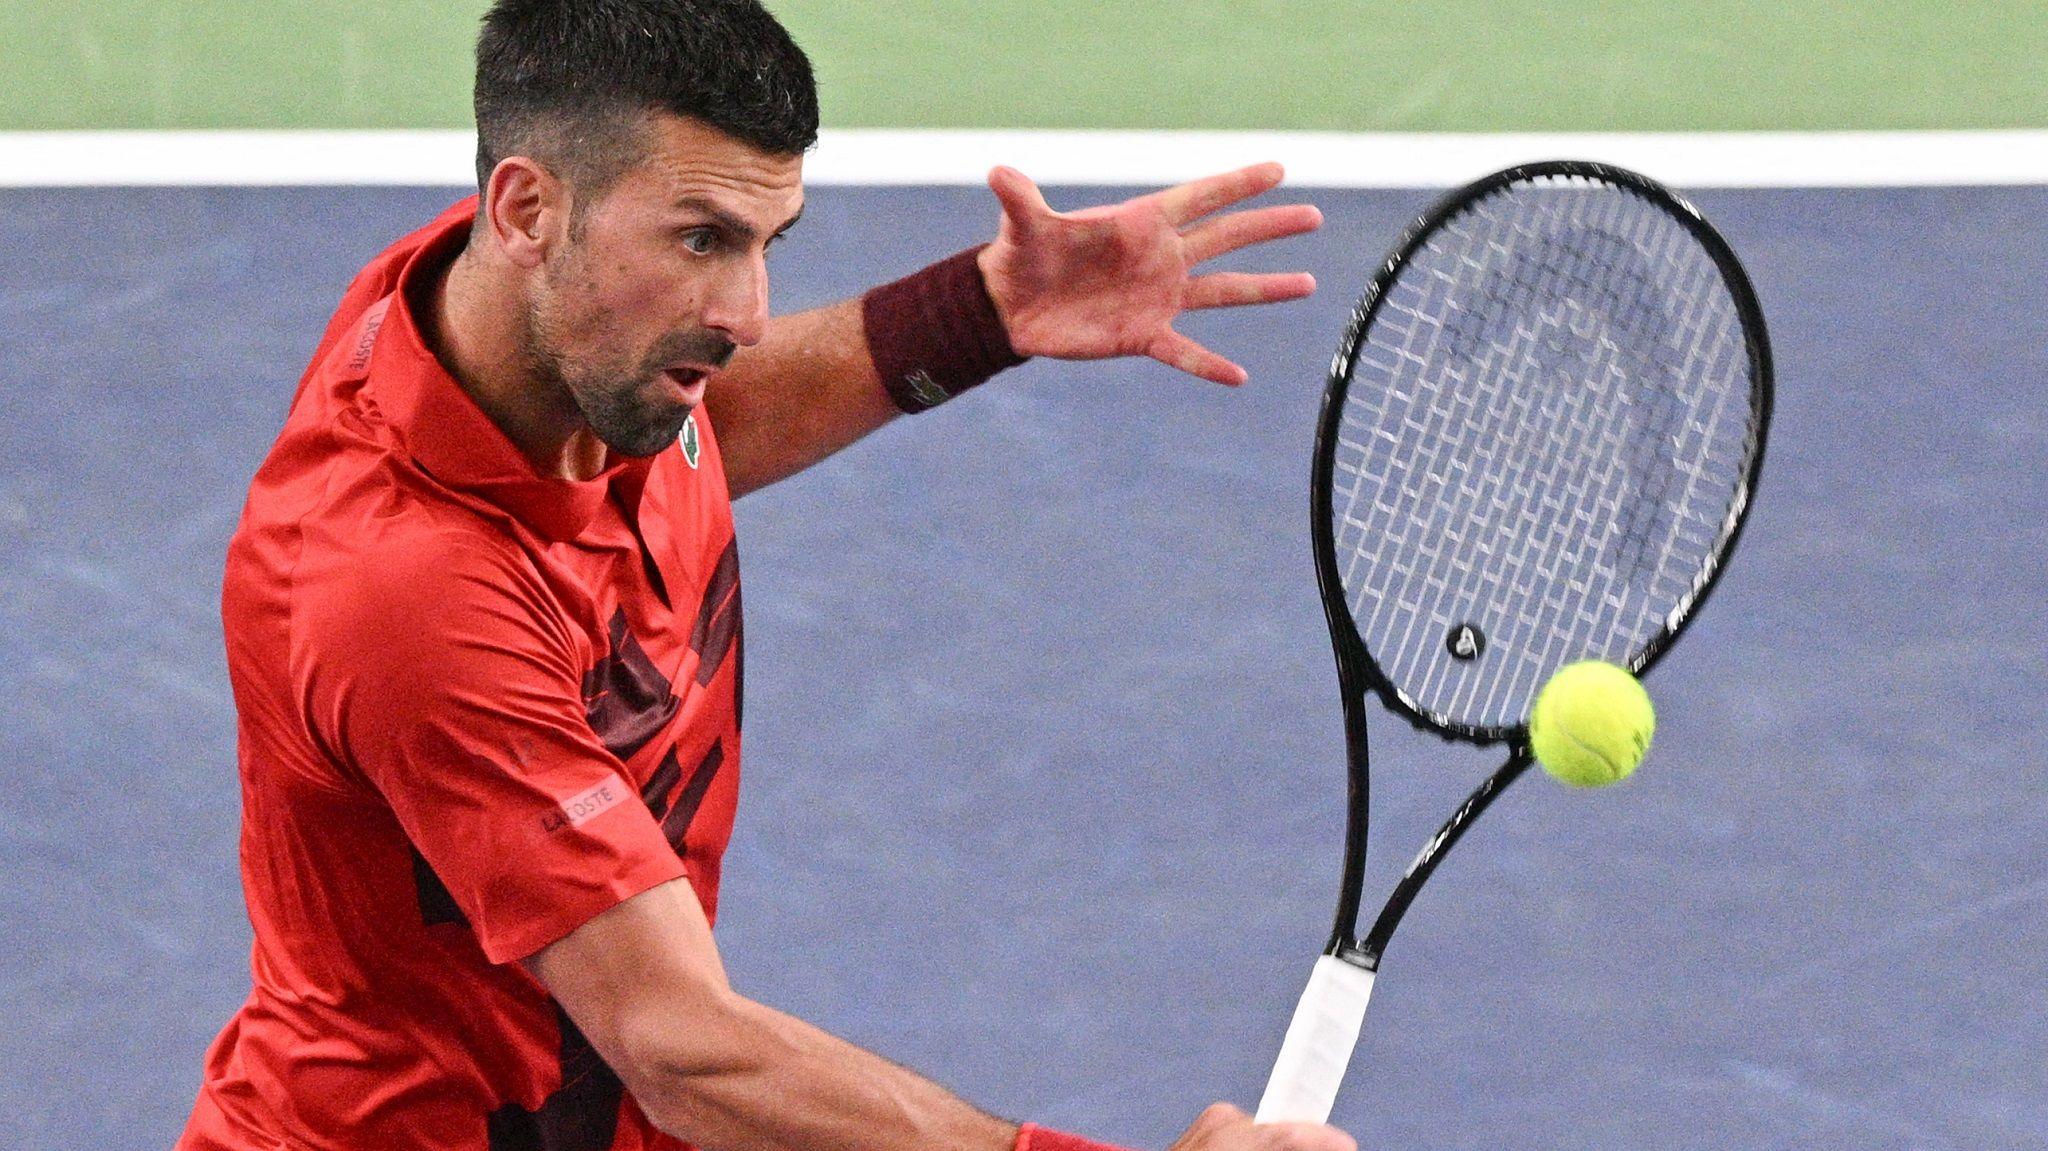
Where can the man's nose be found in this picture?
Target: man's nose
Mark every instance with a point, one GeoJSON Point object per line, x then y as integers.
{"type": "Point", "coordinates": [739, 306]}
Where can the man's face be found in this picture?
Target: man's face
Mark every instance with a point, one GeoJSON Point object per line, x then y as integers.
{"type": "Point", "coordinates": [661, 280]}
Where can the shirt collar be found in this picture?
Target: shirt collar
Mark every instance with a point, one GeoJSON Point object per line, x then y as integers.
{"type": "Point", "coordinates": [452, 439]}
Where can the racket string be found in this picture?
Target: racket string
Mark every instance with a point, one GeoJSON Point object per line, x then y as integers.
{"type": "Point", "coordinates": [1536, 418]}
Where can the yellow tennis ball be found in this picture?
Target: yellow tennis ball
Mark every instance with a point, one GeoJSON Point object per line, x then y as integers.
{"type": "Point", "coordinates": [1591, 724]}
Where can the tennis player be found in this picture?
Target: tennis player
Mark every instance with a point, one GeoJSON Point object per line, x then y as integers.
{"type": "Point", "coordinates": [483, 606]}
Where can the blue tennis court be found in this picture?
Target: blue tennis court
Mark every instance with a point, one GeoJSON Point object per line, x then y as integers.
{"type": "Point", "coordinates": [1044, 772]}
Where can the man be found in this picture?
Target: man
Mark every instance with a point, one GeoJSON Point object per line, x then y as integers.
{"type": "Point", "coordinates": [482, 609]}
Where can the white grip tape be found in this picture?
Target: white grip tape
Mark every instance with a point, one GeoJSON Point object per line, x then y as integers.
{"type": "Point", "coordinates": [1318, 1044]}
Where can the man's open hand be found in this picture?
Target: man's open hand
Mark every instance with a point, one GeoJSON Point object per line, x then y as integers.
{"type": "Point", "coordinates": [1225, 1128]}
{"type": "Point", "coordinates": [1110, 281]}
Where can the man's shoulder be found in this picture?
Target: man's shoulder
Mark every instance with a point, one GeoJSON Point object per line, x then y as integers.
{"type": "Point", "coordinates": [425, 553]}
{"type": "Point", "coordinates": [436, 590]}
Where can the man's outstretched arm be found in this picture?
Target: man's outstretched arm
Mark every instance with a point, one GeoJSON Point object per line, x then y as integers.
{"type": "Point", "coordinates": [808, 389]}
{"type": "Point", "coordinates": [1094, 284]}
{"type": "Point", "coordinates": [644, 982]}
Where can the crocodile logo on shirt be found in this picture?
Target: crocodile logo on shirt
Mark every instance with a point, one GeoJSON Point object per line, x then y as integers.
{"type": "Point", "coordinates": [689, 439]}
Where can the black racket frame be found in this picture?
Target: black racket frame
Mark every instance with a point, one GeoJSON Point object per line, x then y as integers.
{"type": "Point", "coordinates": [1358, 672]}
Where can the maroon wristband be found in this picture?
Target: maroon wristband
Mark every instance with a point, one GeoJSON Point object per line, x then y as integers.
{"type": "Point", "coordinates": [1032, 1137]}
{"type": "Point", "coordinates": [935, 333]}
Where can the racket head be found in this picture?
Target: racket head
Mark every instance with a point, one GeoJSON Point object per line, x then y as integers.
{"type": "Point", "coordinates": [1473, 267]}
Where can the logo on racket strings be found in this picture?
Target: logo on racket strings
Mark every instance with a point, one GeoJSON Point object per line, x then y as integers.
{"type": "Point", "coordinates": [1465, 643]}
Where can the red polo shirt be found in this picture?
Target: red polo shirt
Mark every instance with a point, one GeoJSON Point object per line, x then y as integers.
{"type": "Point", "coordinates": [476, 707]}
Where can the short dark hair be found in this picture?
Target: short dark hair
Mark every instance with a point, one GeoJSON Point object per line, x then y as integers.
{"type": "Point", "coordinates": [570, 82]}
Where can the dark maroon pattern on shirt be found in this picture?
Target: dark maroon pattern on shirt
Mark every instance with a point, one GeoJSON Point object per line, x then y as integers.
{"type": "Point", "coordinates": [626, 697]}
{"type": "Point", "coordinates": [717, 630]}
{"type": "Point", "coordinates": [582, 1116]}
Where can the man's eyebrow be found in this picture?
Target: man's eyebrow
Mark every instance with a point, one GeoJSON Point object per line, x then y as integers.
{"type": "Point", "coordinates": [726, 220]}
{"type": "Point", "coordinates": [717, 215]}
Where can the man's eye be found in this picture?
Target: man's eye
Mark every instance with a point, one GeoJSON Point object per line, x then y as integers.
{"type": "Point", "coordinates": [700, 240]}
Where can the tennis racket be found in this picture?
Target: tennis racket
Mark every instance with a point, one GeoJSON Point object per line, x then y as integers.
{"type": "Point", "coordinates": [1540, 436]}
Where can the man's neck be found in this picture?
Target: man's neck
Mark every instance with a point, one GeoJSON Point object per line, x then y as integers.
{"type": "Point", "coordinates": [471, 321]}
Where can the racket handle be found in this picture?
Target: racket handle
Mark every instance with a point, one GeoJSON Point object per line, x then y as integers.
{"type": "Point", "coordinates": [1318, 1044]}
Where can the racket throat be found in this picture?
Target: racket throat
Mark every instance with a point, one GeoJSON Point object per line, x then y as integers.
{"type": "Point", "coordinates": [1354, 953]}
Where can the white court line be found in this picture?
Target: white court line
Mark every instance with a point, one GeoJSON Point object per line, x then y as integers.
{"type": "Point", "coordinates": [923, 157]}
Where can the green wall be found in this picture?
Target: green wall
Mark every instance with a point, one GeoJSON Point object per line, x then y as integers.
{"type": "Point", "coordinates": [1457, 65]}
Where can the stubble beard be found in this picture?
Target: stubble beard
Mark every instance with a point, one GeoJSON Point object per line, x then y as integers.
{"type": "Point", "coordinates": [620, 403]}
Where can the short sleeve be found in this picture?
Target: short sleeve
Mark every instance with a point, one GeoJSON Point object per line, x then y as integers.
{"type": "Point", "coordinates": [443, 675]}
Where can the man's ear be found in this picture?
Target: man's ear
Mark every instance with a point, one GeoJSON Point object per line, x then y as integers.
{"type": "Point", "coordinates": [526, 209]}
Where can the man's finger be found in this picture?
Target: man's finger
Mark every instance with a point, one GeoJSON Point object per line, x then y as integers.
{"type": "Point", "coordinates": [1197, 198]}
{"type": "Point", "coordinates": [1176, 350]}
{"type": "Point", "coordinates": [1218, 1114]}
{"type": "Point", "coordinates": [1243, 229]}
{"type": "Point", "coordinates": [1236, 289]}
{"type": "Point", "coordinates": [1022, 202]}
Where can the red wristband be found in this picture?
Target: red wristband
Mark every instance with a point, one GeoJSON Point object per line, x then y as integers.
{"type": "Point", "coordinates": [1032, 1137]}
{"type": "Point", "coordinates": [936, 333]}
